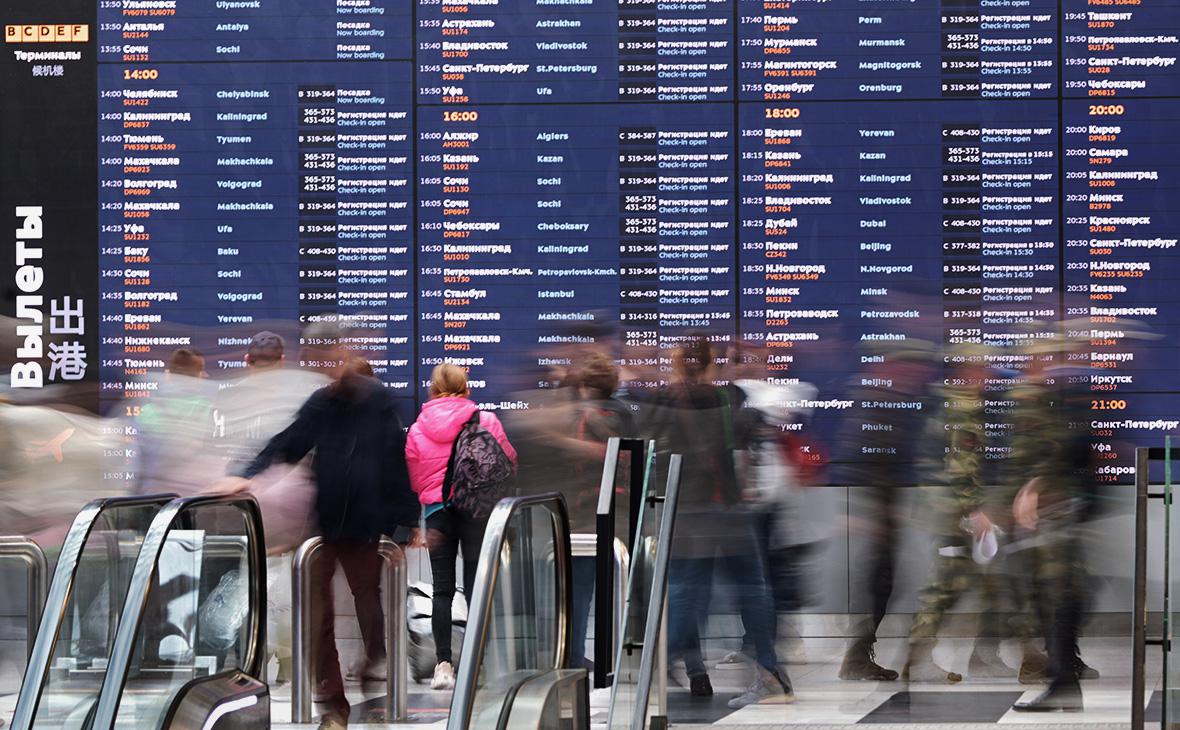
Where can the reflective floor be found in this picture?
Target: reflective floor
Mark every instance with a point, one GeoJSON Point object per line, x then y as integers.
{"type": "Point", "coordinates": [823, 700]}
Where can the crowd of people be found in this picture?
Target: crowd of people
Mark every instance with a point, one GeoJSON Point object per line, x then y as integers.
{"type": "Point", "coordinates": [324, 450]}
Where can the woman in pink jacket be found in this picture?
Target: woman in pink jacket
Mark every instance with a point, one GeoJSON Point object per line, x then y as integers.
{"type": "Point", "coordinates": [428, 449]}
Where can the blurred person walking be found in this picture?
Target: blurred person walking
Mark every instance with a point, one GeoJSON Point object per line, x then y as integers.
{"type": "Point", "coordinates": [773, 468]}
{"type": "Point", "coordinates": [248, 412]}
{"type": "Point", "coordinates": [580, 445]}
{"type": "Point", "coordinates": [356, 440]}
{"type": "Point", "coordinates": [958, 507]}
{"type": "Point", "coordinates": [878, 448]}
{"type": "Point", "coordinates": [430, 451]}
{"type": "Point", "coordinates": [693, 417]}
{"type": "Point", "coordinates": [560, 442]}
{"type": "Point", "coordinates": [1050, 508]}
{"type": "Point", "coordinates": [174, 429]}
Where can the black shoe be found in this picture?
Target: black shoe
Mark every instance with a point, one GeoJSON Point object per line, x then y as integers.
{"type": "Point", "coordinates": [1059, 698]}
{"type": "Point", "coordinates": [700, 686]}
{"type": "Point", "coordinates": [1083, 670]}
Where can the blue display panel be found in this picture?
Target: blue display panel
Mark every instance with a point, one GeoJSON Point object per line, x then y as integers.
{"type": "Point", "coordinates": [493, 181]}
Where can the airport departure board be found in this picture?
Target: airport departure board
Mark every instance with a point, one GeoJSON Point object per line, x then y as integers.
{"type": "Point", "coordinates": [494, 182]}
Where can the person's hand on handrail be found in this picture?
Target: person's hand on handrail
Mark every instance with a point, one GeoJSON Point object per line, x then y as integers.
{"type": "Point", "coordinates": [229, 485]}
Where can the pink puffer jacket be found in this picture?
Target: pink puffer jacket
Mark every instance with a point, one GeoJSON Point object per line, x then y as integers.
{"type": "Point", "coordinates": [428, 446]}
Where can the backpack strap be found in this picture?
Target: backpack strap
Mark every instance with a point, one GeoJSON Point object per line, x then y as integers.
{"type": "Point", "coordinates": [450, 475]}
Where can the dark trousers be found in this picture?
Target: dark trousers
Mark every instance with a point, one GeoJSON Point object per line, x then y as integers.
{"type": "Point", "coordinates": [1060, 576]}
{"type": "Point", "coordinates": [880, 554]}
{"type": "Point", "coordinates": [446, 532]}
{"type": "Point", "coordinates": [362, 568]}
{"type": "Point", "coordinates": [583, 596]}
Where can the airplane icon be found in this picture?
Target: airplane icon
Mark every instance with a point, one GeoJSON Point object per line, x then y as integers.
{"type": "Point", "coordinates": [51, 447]}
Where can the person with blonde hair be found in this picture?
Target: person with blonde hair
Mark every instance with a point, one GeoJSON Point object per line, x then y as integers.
{"type": "Point", "coordinates": [429, 448]}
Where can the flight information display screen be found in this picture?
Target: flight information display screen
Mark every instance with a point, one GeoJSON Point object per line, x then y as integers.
{"type": "Point", "coordinates": [493, 182]}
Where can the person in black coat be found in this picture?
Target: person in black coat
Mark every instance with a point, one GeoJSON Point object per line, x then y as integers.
{"type": "Point", "coordinates": [357, 443]}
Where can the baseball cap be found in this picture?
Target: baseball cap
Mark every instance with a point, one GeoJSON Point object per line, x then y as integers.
{"type": "Point", "coordinates": [265, 345]}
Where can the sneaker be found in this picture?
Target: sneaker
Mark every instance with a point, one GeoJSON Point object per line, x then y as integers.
{"type": "Point", "coordinates": [444, 676]}
{"type": "Point", "coordinates": [1065, 697]}
{"type": "Point", "coordinates": [765, 690]}
{"type": "Point", "coordinates": [700, 686]}
{"type": "Point", "coordinates": [732, 660]}
{"type": "Point", "coordinates": [1033, 668]}
{"type": "Point", "coordinates": [988, 664]}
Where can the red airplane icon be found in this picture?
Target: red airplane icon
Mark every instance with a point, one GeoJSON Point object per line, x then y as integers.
{"type": "Point", "coordinates": [51, 447]}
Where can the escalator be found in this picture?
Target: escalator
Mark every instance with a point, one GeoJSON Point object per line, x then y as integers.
{"type": "Point", "coordinates": [514, 668]}
{"type": "Point", "coordinates": [155, 619]}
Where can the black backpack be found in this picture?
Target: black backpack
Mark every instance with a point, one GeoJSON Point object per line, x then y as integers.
{"type": "Point", "coordinates": [479, 473]}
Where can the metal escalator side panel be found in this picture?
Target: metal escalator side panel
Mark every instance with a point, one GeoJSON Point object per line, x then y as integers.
{"type": "Point", "coordinates": [37, 583]}
{"type": "Point", "coordinates": [180, 512]}
{"type": "Point", "coordinates": [532, 702]}
{"type": "Point", "coordinates": [57, 601]}
{"type": "Point", "coordinates": [396, 629]}
{"type": "Point", "coordinates": [228, 701]}
{"type": "Point", "coordinates": [489, 576]}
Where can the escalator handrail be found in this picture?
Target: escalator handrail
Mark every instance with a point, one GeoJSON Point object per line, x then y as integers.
{"type": "Point", "coordinates": [480, 603]}
{"type": "Point", "coordinates": [606, 487]}
{"type": "Point", "coordinates": [139, 592]}
{"type": "Point", "coordinates": [536, 690]}
{"type": "Point", "coordinates": [60, 590]}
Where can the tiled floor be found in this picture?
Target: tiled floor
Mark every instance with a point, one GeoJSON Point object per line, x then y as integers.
{"type": "Point", "coordinates": [824, 701]}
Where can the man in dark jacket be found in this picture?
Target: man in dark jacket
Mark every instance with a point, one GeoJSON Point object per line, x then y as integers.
{"type": "Point", "coordinates": [362, 491]}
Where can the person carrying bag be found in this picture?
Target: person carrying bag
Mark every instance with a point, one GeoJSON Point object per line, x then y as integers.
{"type": "Point", "coordinates": [461, 464]}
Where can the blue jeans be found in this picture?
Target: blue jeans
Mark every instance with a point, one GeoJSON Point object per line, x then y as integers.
{"type": "Point", "coordinates": [689, 592]}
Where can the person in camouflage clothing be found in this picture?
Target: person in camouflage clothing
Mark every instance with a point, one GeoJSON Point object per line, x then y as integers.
{"type": "Point", "coordinates": [957, 506]}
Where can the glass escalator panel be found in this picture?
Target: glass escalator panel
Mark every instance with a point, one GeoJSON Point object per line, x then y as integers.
{"type": "Point", "coordinates": [523, 623]}
{"type": "Point", "coordinates": [519, 623]}
{"type": "Point", "coordinates": [73, 646]}
{"type": "Point", "coordinates": [641, 660]}
{"type": "Point", "coordinates": [630, 643]}
{"type": "Point", "coordinates": [194, 611]}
